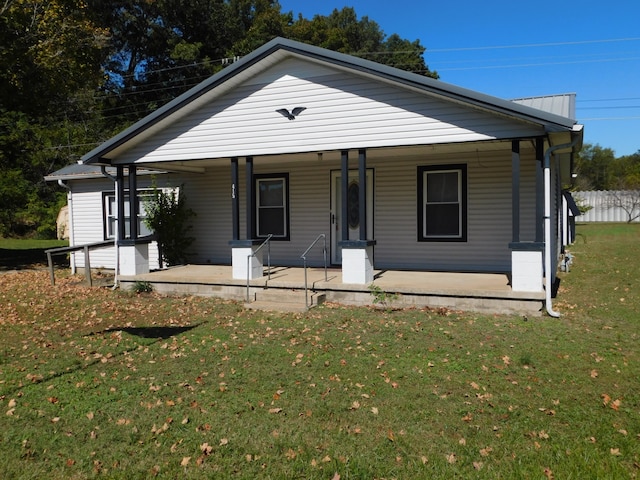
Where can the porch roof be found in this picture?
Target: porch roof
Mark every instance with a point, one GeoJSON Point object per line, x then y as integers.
{"type": "Point", "coordinates": [279, 49]}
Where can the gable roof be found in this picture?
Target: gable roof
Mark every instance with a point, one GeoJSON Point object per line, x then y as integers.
{"type": "Point", "coordinates": [280, 49]}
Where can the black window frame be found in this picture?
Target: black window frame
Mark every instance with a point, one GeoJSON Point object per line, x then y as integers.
{"type": "Point", "coordinates": [257, 178]}
{"type": "Point", "coordinates": [423, 171]}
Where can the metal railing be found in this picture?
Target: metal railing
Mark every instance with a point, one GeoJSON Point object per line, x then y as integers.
{"type": "Point", "coordinates": [304, 259]}
{"type": "Point", "coordinates": [266, 242]}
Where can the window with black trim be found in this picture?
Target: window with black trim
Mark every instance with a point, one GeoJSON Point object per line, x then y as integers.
{"type": "Point", "coordinates": [442, 203]}
{"type": "Point", "coordinates": [272, 206]}
{"type": "Point", "coordinates": [110, 214]}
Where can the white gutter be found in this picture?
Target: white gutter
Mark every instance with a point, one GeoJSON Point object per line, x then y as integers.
{"type": "Point", "coordinates": [104, 172]}
{"type": "Point", "coordinates": [547, 223]}
{"type": "Point", "coordinates": [72, 257]}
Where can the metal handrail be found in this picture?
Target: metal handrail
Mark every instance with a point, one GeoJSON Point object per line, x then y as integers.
{"type": "Point", "coordinates": [267, 242]}
{"type": "Point", "coordinates": [304, 258]}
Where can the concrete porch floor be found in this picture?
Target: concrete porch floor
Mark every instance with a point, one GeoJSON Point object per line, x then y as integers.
{"type": "Point", "coordinates": [482, 292]}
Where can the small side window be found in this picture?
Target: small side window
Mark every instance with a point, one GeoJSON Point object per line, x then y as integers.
{"type": "Point", "coordinates": [272, 206]}
{"type": "Point", "coordinates": [442, 203]}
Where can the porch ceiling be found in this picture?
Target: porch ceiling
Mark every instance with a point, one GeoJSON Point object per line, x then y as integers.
{"type": "Point", "coordinates": [334, 155]}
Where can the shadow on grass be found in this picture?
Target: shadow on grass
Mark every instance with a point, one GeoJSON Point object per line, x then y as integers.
{"type": "Point", "coordinates": [22, 259]}
{"type": "Point", "coordinates": [150, 332]}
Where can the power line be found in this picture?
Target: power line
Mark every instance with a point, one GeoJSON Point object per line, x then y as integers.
{"type": "Point", "coordinates": [487, 67]}
{"type": "Point", "coordinates": [529, 45]}
{"type": "Point", "coordinates": [595, 119]}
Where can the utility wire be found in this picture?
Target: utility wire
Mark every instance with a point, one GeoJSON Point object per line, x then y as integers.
{"type": "Point", "coordinates": [529, 45]}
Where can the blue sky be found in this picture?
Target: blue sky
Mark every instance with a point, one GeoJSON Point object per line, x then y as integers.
{"type": "Point", "coordinates": [513, 49]}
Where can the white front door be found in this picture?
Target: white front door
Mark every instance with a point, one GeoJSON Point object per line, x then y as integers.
{"type": "Point", "coordinates": [353, 209]}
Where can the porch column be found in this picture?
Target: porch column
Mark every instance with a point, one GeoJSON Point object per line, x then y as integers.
{"type": "Point", "coordinates": [526, 257]}
{"type": "Point", "coordinates": [515, 191]}
{"type": "Point", "coordinates": [344, 186]}
{"type": "Point", "coordinates": [362, 179]}
{"type": "Point", "coordinates": [133, 203]}
{"type": "Point", "coordinates": [250, 193]}
{"type": "Point", "coordinates": [120, 203]}
{"type": "Point", "coordinates": [235, 200]}
{"type": "Point", "coordinates": [357, 255]}
{"type": "Point", "coordinates": [539, 189]}
{"type": "Point", "coordinates": [246, 264]}
{"type": "Point", "coordinates": [133, 254]}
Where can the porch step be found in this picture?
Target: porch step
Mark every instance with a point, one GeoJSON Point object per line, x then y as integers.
{"type": "Point", "coordinates": [284, 300]}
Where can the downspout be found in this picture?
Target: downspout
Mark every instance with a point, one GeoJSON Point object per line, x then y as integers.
{"type": "Point", "coordinates": [70, 222]}
{"type": "Point", "coordinates": [104, 172]}
{"type": "Point", "coordinates": [547, 222]}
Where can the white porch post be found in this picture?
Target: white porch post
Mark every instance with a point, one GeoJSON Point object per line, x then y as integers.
{"type": "Point", "coordinates": [133, 255]}
{"type": "Point", "coordinates": [526, 266]}
{"type": "Point", "coordinates": [526, 257]}
{"type": "Point", "coordinates": [246, 264]}
{"type": "Point", "coordinates": [357, 262]}
{"type": "Point", "coordinates": [357, 255]}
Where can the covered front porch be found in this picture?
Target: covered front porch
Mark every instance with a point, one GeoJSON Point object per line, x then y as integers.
{"type": "Point", "coordinates": [284, 288]}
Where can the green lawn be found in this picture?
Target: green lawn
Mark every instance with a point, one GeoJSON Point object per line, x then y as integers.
{"type": "Point", "coordinates": [26, 253]}
{"type": "Point", "coordinates": [103, 384]}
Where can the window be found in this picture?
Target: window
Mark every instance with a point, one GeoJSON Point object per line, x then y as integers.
{"type": "Point", "coordinates": [442, 203]}
{"type": "Point", "coordinates": [111, 215]}
{"type": "Point", "coordinates": [272, 206]}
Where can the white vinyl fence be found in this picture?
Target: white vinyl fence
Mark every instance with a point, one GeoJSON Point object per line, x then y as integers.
{"type": "Point", "coordinates": [609, 206]}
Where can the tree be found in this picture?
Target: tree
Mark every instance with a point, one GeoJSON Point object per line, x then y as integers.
{"type": "Point", "coordinates": [49, 69]}
{"type": "Point", "coordinates": [342, 31]}
{"type": "Point", "coordinates": [593, 167]}
{"type": "Point", "coordinates": [625, 185]}
{"type": "Point", "coordinates": [627, 200]}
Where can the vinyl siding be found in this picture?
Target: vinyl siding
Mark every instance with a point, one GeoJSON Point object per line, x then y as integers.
{"type": "Point", "coordinates": [395, 210]}
{"type": "Point", "coordinates": [343, 111]}
{"type": "Point", "coordinates": [88, 222]}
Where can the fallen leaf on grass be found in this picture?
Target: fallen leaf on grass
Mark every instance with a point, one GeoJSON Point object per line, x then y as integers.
{"type": "Point", "coordinates": [290, 454]}
{"type": "Point", "coordinates": [615, 452]}
{"type": "Point", "coordinates": [185, 461]}
{"type": "Point", "coordinates": [374, 410]}
{"type": "Point", "coordinates": [451, 458]}
{"type": "Point", "coordinates": [275, 410]}
{"type": "Point", "coordinates": [486, 451]}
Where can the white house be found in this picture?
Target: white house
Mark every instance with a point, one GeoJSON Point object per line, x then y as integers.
{"type": "Point", "coordinates": [400, 171]}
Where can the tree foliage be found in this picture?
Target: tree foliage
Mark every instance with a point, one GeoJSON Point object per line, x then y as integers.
{"type": "Point", "coordinates": [50, 56]}
{"type": "Point", "coordinates": [599, 169]}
